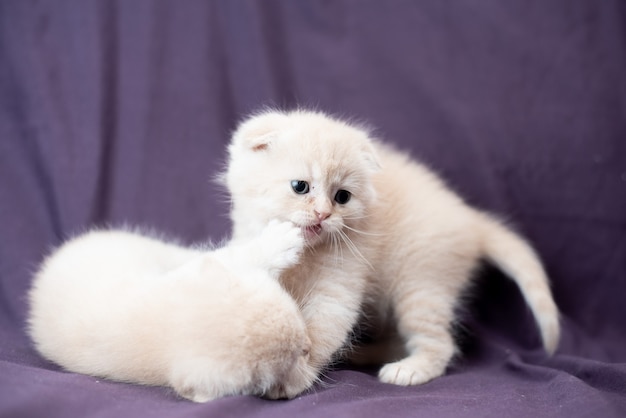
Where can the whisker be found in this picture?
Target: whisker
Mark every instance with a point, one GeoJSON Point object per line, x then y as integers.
{"type": "Point", "coordinates": [373, 234]}
{"type": "Point", "coordinates": [337, 249]}
{"type": "Point", "coordinates": [333, 249]}
{"type": "Point", "coordinates": [333, 245]}
{"type": "Point", "coordinates": [306, 297]}
{"type": "Point", "coordinates": [310, 247]}
{"type": "Point", "coordinates": [353, 248]}
{"type": "Point", "coordinates": [356, 218]}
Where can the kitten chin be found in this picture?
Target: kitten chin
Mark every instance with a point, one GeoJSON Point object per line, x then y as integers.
{"type": "Point", "coordinates": [403, 243]}
{"type": "Point", "coordinates": [209, 324]}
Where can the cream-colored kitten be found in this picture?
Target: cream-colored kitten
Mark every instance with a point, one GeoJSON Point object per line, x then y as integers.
{"type": "Point", "coordinates": [208, 323]}
{"type": "Point", "coordinates": [380, 228]}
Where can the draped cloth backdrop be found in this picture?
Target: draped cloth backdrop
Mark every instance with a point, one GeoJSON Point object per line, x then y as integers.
{"type": "Point", "coordinates": [118, 112]}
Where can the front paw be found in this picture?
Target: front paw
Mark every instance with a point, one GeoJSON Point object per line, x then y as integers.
{"type": "Point", "coordinates": [409, 372]}
{"type": "Point", "coordinates": [282, 243]}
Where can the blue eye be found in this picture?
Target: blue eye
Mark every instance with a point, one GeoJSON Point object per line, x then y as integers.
{"type": "Point", "coordinates": [342, 197]}
{"type": "Point", "coordinates": [300, 186]}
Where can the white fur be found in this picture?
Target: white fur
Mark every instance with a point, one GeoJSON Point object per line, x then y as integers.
{"type": "Point", "coordinates": [404, 245]}
{"type": "Point", "coordinates": [207, 323]}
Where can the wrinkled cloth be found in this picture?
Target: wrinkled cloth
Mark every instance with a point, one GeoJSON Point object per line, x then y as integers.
{"type": "Point", "coordinates": [118, 113]}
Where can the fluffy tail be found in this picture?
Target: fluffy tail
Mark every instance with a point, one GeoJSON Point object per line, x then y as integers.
{"type": "Point", "coordinates": [511, 254]}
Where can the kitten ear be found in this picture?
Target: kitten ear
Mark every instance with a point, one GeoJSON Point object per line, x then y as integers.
{"type": "Point", "coordinates": [257, 132]}
{"type": "Point", "coordinates": [371, 158]}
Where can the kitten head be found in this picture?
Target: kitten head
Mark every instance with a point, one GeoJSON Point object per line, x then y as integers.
{"type": "Point", "coordinates": [302, 167]}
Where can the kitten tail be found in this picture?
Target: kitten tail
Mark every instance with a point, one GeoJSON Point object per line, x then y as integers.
{"type": "Point", "coordinates": [511, 254]}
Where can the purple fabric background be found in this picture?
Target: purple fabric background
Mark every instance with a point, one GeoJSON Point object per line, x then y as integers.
{"type": "Point", "coordinates": [118, 112]}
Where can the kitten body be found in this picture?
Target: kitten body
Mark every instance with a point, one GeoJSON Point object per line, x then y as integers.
{"type": "Point", "coordinates": [401, 246]}
{"type": "Point", "coordinates": [213, 323]}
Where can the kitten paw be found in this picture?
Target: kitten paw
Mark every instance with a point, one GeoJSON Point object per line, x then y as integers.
{"type": "Point", "coordinates": [409, 372]}
{"type": "Point", "coordinates": [193, 395]}
{"type": "Point", "coordinates": [282, 244]}
{"type": "Point", "coordinates": [194, 389]}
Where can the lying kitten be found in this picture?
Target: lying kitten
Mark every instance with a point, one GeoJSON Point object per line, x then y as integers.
{"type": "Point", "coordinates": [379, 228]}
{"type": "Point", "coordinates": [207, 323]}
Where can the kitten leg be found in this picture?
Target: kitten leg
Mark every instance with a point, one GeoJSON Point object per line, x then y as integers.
{"type": "Point", "coordinates": [329, 312]}
{"type": "Point", "coordinates": [277, 248]}
{"type": "Point", "coordinates": [330, 316]}
{"type": "Point", "coordinates": [424, 317]}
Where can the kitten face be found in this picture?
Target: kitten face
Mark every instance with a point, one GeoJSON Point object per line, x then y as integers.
{"type": "Point", "coordinates": [309, 170]}
{"type": "Point", "coordinates": [321, 197]}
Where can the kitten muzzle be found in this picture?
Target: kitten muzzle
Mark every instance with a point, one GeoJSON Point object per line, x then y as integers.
{"type": "Point", "coordinates": [312, 231]}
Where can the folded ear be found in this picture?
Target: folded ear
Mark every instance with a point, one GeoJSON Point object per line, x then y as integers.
{"type": "Point", "coordinates": [256, 133]}
{"type": "Point", "coordinates": [371, 158]}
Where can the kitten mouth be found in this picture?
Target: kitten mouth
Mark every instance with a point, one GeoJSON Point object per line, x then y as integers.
{"type": "Point", "coordinates": [312, 231]}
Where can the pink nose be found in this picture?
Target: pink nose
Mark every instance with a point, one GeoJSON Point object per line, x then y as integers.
{"type": "Point", "coordinates": [322, 215]}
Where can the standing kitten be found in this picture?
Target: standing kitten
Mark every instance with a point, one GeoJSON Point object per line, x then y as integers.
{"type": "Point", "coordinates": [379, 228]}
{"type": "Point", "coordinates": [207, 323]}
